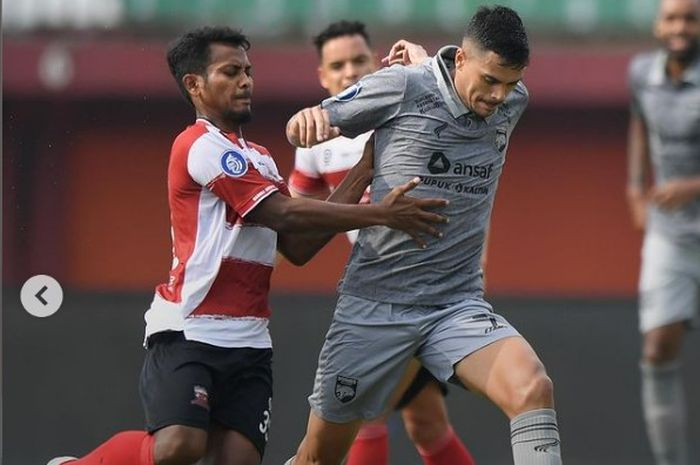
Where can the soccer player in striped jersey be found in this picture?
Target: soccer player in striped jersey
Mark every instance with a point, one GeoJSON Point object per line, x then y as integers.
{"type": "Point", "coordinates": [206, 383]}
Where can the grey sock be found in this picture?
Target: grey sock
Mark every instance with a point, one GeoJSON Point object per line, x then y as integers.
{"type": "Point", "coordinates": [535, 438]}
{"type": "Point", "coordinates": [663, 400]}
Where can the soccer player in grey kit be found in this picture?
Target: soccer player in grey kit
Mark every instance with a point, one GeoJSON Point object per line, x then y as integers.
{"type": "Point", "coordinates": [665, 133]}
{"type": "Point", "coordinates": [448, 121]}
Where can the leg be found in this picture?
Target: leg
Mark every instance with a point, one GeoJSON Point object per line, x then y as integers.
{"type": "Point", "coordinates": [179, 445]}
{"type": "Point", "coordinates": [367, 351]}
{"type": "Point", "coordinates": [228, 447]}
{"type": "Point", "coordinates": [325, 443]}
{"type": "Point", "coordinates": [511, 375]}
{"type": "Point", "coordinates": [668, 300]}
{"type": "Point", "coordinates": [371, 445]}
{"type": "Point", "coordinates": [663, 397]}
{"type": "Point", "coordinates": [427, 425]}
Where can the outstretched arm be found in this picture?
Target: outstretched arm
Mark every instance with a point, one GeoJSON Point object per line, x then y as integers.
{"type": "Point", "coordinates": [300, 248]}
{"type": "Point", "coordinates": [638, 167]}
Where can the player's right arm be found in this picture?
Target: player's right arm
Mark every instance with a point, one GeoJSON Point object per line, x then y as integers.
{"type": "Point", "coordinates": [396, 210]}
{"type": "Point", "coordinates": [364, 106]}
{"type": "Point", "coordinates": [638, 160]}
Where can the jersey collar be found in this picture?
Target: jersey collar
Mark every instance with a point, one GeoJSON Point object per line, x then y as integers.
{"type": "Point", "coordinates": [658, 76]}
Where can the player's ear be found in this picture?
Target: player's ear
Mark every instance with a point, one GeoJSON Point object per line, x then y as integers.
{"type": "Point", "coordinates": [460, 57]}
{"type": "Point", "coordinates": [193, 84]}
{"type": "Point", "coordinates": [322, 77]}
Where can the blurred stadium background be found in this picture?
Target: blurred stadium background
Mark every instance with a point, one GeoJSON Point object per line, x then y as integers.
{"type": "Point", "coordinates": [89, 112]}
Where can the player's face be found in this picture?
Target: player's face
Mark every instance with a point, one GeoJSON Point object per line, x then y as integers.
{"type": "Point", "coordinates": [481, 81]}
{"type": "Point", "coordinates": [678, 27]}
{"type": "Point", "coordinates": [226, 90]}
{"type": "Point", "coordinates": [344, 60]}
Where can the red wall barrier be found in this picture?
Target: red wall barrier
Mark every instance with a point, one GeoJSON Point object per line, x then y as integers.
{"type": "Point", "coordinates": [560, 225]}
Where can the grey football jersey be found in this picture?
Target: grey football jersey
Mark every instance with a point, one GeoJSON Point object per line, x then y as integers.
{"type": "Point", "coordinates": [422, 128]}
{"type": "Point", "coordinates": [672, 115]}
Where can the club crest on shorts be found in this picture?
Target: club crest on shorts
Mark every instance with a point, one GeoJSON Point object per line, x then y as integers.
{"type": "Point", "coordinates": [345, 389]}
{"type": "Point", "coordinates": [201, 397]}
{"type": "Point", "coordinates": [234, 163]}
{"type": "Point", "coordinates": [349, 93]}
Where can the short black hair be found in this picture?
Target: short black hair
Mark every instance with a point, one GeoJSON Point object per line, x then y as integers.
{"type": "Point", "coordinates": [190, 54]}
{"type": "Point", "coordinates": [499, 29]}
{"type": "Point", "coordinates": [340, 29]}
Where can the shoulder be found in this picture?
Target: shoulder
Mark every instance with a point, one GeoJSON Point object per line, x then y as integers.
{"type": "Point", "coordinates": [640, 66]}
{"type": "Point", "coordinates": [519, 97]}
{"type": "Point", "coordinates": [187, 138]}
{"type": "Point", "coordinates": [262, 149]}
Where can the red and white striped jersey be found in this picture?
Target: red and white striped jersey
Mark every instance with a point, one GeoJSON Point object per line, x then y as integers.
{"type": "Point", "coordinates": [321, 168]}
{"type": "Point", "coordinates": [217, 291]}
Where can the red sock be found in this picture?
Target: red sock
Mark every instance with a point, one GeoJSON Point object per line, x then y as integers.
{"type": "Point", "coordinates": [371, 446]}
{"type": "Point", "coordinates": [447, 451]}
{"type": "Point", "coordinates": [125, 448]}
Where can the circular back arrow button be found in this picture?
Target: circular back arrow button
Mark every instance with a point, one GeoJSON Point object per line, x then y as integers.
{"type": "Point", "coordinates": [41, 296]}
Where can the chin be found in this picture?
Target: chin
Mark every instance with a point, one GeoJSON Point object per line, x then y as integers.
{"type": "Point", "coordinates": [240, 117]}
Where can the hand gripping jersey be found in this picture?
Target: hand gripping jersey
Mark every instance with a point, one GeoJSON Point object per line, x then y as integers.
{"type": "Point", "coordinates": [321, 168]}
{"type": "Point", "coordinates": [218, 286]}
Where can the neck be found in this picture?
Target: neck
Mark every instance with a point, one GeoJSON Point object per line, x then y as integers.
{"type": "Point", "coordinates": [223, 124]}
{"type": "Point", "coordinates": [676, 66]}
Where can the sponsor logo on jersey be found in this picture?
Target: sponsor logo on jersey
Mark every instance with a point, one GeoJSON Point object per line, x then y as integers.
{"type": "Point", "coordinates": [234, 163]}
{"type": "Point", "coordinates": [439, 164]}
{"type": "Point", "coordinates": [428, 102]}
{"type": "Point", "coordinates": [349, 93]}
{"type": "Point", "coordinates": [345, 389]}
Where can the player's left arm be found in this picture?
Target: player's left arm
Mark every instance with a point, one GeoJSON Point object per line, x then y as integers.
{"type": "Point", "coordinates": [300, 248]}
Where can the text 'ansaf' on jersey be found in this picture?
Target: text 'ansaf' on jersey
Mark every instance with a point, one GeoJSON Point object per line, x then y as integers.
{"type": "Point", "coordinates": [218, 286]}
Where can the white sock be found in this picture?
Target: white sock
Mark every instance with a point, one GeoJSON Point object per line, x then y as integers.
{"type": "Point", "coordinates": [534, 436]}
{"type": "Point", "coordinates": [663, 401]}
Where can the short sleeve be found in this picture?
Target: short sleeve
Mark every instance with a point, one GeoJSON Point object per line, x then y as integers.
{"type": "Point", "coordinates": [633, 84]}
{"type": "Point", "coordinates": [368, 104]}
{"type": "Point", "coordinates": [229, 174]}
{"type": "Point", "coordinates": [305, 177]}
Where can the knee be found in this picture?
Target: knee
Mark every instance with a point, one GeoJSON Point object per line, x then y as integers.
{"type": "Point", "coordinates": [425, 426]}
{"type": "Point", "coordinates": [536, 393]}
{"type": "Point", "coordinates": [179, 449]}
{"type": "Point", "coordinates": [659, 349]}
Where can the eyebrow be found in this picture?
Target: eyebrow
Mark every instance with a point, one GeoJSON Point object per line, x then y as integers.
{"type": "Point", "coordinates": [499, 81]}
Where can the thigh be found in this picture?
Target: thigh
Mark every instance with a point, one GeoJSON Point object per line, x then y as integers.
{"type": "Point", "coordinates": [242, 400]}
{"type": "Point", "coordinates": [174, 385]}
{"type": "Point", "coordinates": [456, 331]}
{"type": "Point", "coordinates": [423, 381]}
{"type": "Point", "coordinates": [502, 371]}
{"type": "Point", "coordinates": [363, 359]}
{"type": "Point", "coordinates": [669, 283]}
{"type": "Point", "coordinates": [229, 447]}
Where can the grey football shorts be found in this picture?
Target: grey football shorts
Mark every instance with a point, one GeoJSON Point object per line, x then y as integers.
{"type": "Point", "coordinates": [369, 345]}
{"type": "Point", "coordinates": [669, 283]}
